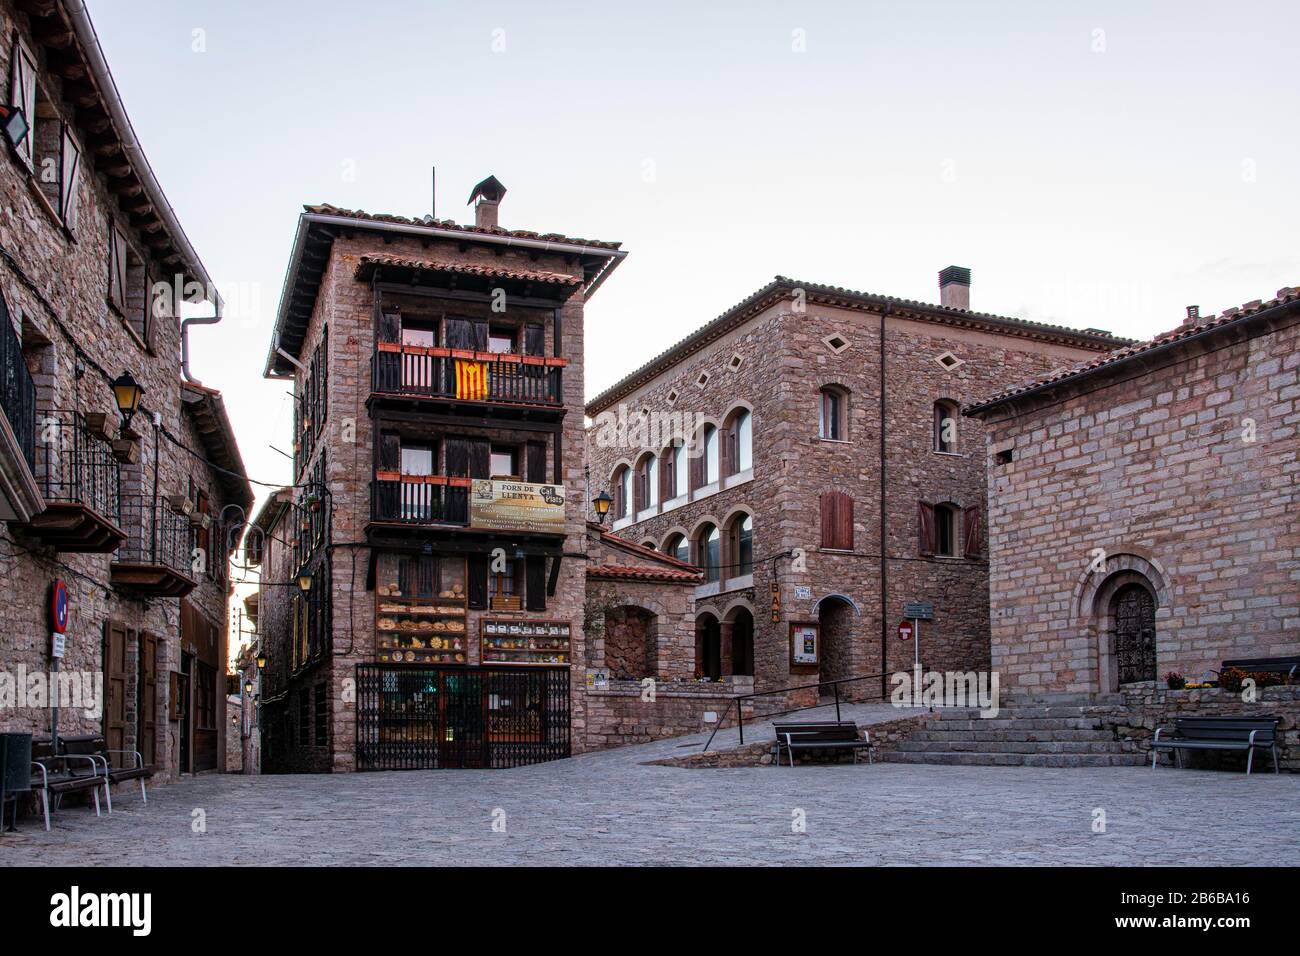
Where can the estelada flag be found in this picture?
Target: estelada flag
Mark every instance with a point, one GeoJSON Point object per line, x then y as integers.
{"type": "Point", "coordinates": [471, 380]}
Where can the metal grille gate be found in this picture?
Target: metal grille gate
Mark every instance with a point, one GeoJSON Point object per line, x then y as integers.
{"type": "Point", "coordinates": [423, 718]}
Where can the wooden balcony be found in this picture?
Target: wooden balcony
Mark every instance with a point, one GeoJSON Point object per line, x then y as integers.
{"type": "Point", "coordinates": [476, 505]}
{"type": "Point", "coordinates": [488, 384]}
{"type": "Point", "coordinates": [156, 558]}
{"type": "Point", "coordinates": [77, 474]}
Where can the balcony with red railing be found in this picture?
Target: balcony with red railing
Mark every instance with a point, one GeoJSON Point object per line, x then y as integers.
{"type": "Point", "coordinates": [478, 504]}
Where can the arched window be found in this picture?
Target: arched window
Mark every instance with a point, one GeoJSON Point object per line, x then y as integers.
{"type": "Point", "coordinates": [676, 545]}
{"type": "Point", "coordinates": [737, 443]}
{"type": "Point", "coordinates": [708, 552]}
{"type": "Point", "coordinates": [674, 470]}
{"type": "Point", "coordinates": [945, 425]}
{"type": "Point", "coordinates": [622, 484]}
{"type": "Point", "coordinates": [704, 466]}
{"type": "Point", "coordinates": [649, 543]}
{"type": "Point", "coordinates": [647, 483]}
{"type": "Point", "coordinates": [740, 546]}
{"type": "Point", "coordinates": [832, 418]}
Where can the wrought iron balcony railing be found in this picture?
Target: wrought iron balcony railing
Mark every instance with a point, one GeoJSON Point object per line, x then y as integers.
{"type": "Point", "coordinates": [429, 499]}
{"type": "Point", "coordinates": [421, 372]}
{"type": "Point", "coordinates": [76, 466]}
{"type": "Point", "coordinates": [157, 536]}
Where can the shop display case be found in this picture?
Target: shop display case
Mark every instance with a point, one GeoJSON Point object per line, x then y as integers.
{"type": "Point", "coordinates": [420, 610]}
{"type": "Point", "coordinates": [526, 642]}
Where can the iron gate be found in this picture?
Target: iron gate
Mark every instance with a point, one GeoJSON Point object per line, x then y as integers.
{"type": "Point", "coordinates": [425, 718]}
{"type": "Point", "coordinates": [1134, 613]}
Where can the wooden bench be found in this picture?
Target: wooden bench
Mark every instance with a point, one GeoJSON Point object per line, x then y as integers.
{"type": "Point", "coordinates": [55, 774]}
{"type": "Point", "coordinates": [92, 745]}
{"type": "Point", "coordinates": [1290, 666]}
{"type": "Point", "coordinates": [827, 735]}
{"type": "Point", "coordinates": [1219, 733]}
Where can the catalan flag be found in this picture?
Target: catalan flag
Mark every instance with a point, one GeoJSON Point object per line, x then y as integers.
{"type": "Point", "coordinates": [471, 380]}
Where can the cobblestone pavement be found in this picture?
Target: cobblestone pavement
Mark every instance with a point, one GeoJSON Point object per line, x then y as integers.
{"type": "Point", "coordinates": [611, 808]}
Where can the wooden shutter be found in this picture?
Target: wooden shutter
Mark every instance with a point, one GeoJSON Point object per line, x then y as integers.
{"type": "Point", "coordinates": [480, 458]}
{"type": "Point", "coordinates": [115, 639]}
{"type": "Point", "coordinates": [390, 451]}
{"type": "Point", "coordinates": [666, 475]}
{"type": "Point", "coordinates": [476, 571]}
{"type": "Point", "coordinates": [148, 319]}
{"type": "Point", "coordinates": [970, 522]}
{"type": "Point", "coordinates": [22, 93]}
{"type": "Point", "coordinates": [837, 521]}
{"type": "Point", "coordinates": [147, 734]}
{"type": "Point", "coordinates": [460, 333]}
{"type": "Point", "coordinates": [390, 325]}
{"type": "Point", "coordinates": [480, 335]}
{"type": "Point", "coordinates": [535, 582]}
{"type": "Point", "coordinates": [534, 339]}
{"type": "Point", "coordinates": [619, 504]}
{"type": "Point", "coordinates": [117, 267]}
{"type": "Point", "coordinates": [925, 525]}
{"type": "Point", "coordinates": [699, 468]}
{"type": "Point", "coordinates": [69, 178]}
{"type": "Point", "coordinates": [535, 466]}
{"type": "Point", "coordinates": [726, 456]}
{"type": "Point", "coordinates": [458, 457]}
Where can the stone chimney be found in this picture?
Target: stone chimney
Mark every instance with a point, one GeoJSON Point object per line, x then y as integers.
{"type": "Point", "coordinates": [954, 288]}
{"type": "Point", "coordinates": [486, 199]}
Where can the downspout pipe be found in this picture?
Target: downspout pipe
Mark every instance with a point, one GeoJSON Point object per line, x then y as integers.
{"type": "Point", "coordinates": [88, 41]}
{"type": "Point", "coordinates": [884, 535]}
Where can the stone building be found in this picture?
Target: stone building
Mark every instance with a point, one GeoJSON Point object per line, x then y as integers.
{"type": "Point", "coordinates": [1143, 508]}
{"type": "Point", "coordinates": [793, 441]}
{"type": "Point", "coordinates": [437, 514]}
{"type": "Point", "coordinates": [134, 513]}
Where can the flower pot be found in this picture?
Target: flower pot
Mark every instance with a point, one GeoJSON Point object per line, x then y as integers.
{"type": "Point", "coordinates": [126, 450]}
{"type": "Point", "coordinates": [100, 425]}
{"type": "Point", "coordinates": [180, 504]}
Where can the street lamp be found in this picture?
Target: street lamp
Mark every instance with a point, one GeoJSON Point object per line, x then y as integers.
{"type": "Point", "coordinates": [248, 688]}
{"type": "Point", "coordinates": [601, 503]}
{"type": "Point", "coordinates": [127, 392]}
{"type": "Point", "coordinates": [304, 582]}
{"type": "Point", "coordinates": [261, 660]}
{"type": "Point", "coordinates": [15, 124]}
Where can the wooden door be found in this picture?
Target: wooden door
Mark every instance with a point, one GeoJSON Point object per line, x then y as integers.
{"type": "Point", "coordinates": [115, 635]}
{"type": "Point", "coordinates": [147, 737]}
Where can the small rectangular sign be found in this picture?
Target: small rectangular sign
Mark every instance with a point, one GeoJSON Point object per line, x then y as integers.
{"type": "Point", "coordinates": [802, 593]}
{"type": "Point", "coordinates": [919, 610]}
{"type": "Point", "coordinates": [58, 642]}
{"type": "Point", "coordinates": [516, 506]}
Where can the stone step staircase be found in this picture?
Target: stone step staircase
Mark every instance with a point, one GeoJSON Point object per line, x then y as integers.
{"type": "Point", "coordinates": [1052, 730]}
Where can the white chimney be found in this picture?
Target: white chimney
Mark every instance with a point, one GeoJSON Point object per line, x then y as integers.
{"type": "Point", "coordinates": [954, 288]}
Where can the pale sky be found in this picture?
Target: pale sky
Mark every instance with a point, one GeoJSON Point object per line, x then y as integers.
{"type": "Point", "coordinates": [1094, 164]}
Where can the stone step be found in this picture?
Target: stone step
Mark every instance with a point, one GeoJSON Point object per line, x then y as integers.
{"type": "Point", "coordinates": [1014, 759]}
{"type": "Point", "coordinates": [1010, 746]}
{"type": "Point", "coordinates": [1026, 735]}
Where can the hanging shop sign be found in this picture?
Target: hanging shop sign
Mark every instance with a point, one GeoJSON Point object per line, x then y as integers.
{"type": "Point", "coordinates": [496, 505]}
{"type": "Point", "coordinates": [805, 644]}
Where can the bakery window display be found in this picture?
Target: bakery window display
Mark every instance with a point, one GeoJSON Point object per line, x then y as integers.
{"type": "Point", "coordinates": [536, 643]}
{"type": "Point", "coordinates": [420, 609]}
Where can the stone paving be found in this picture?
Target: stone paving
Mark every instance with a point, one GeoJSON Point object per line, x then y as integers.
{"type": "Point", "coordinates": [612, 808]}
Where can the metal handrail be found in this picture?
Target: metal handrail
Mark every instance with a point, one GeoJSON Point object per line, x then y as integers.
{"type": "Point", "coordinates": [740, 717]}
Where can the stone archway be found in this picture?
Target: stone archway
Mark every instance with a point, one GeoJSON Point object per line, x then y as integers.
{"type": "Point", "coordinates": [836, 615]}
{"type": "Point", "coordinates": [741, 622]}
{"type": "Point", "coordinates": [631, 642]}
{"type": "Point", "coordinates": [1118, 608]}
{"type": "Point", "coordinates": [708, 646]}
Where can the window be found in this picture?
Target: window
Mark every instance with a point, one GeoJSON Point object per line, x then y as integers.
{"type": "Point", "coordinates": [205, 696]}
{"type": "Point", "coordinates": [419, 332]}
{"type": "Point", "coordinates": [304, 715]}
{"type": "Point", "coordinates": [22, 94]}
{"type": "Point", "coordinates": [740, 545]}
{"type": "Point", "coordinates": [128, 285]}
{"type": "Point", "coordinates": [737, 444]}
{"type": "Point", "coordinates": [676, 546]}
{"type": "Point", "coordinates": [704, 466]}
{"type": "Point", "coordinates": [675, 470]}
{"type": "Point", "coordinates": [417, 459]}
{"type": "Point", "coordinates": [708, 544]}
{"type": "Point", "coordinates": [945, 426]}
{"type": "Point", "coordinates": [322, 715]}
{"type": "Point", "coordinates": [501, 340]}
{"type": "Point", "coordinates": [831, 417]}
{"type": "Point", "coordinates": [939, 530]}
{"type": "Point", "coordinates": [622, 492]}
{"type": "Point", "coordinates": [647, 483]}
{"type": "Point", "coordinates": [504, 462]}
{"type": "Point", "coordinates": [837, 521]}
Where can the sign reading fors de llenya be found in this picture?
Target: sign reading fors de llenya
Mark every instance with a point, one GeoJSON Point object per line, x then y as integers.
{"type": "Point", "coordinates": [496, 505]}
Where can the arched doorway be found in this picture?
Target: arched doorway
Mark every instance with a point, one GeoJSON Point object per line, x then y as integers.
{"type": "Point", "coordinates": [836, 616]}
{"type": "Point", "coordinates": [1133, 633]}
{"type": "Point", "coordinates": [742, 642]}
{"type": "Point", "coordinates": [708, 647]}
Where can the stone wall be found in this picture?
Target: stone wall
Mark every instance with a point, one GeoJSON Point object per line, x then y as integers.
{"type": "Point", "coordinates": [1151, 479]}
{"type": "Point", "coordinates": [618, 715]}
{"type": "Point", "coordinates": [1136, 712]}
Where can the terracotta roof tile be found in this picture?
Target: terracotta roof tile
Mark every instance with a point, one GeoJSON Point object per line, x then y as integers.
{"type": "Point", "coordinates": [624, 572]}
{"type": "Point", "coordinates": [462, 268]}
{"type": "Point", "coordinates": [1185, 331]}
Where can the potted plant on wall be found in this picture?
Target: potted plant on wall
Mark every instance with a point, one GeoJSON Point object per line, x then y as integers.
{"type": "Point", "coordinates": [1175, 680]}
